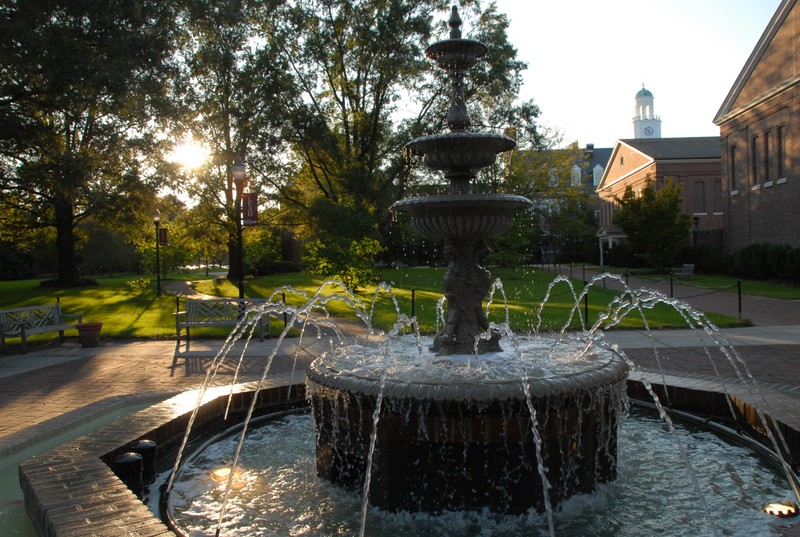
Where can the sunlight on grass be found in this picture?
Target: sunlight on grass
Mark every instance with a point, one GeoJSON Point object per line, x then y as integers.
{"type": "Point", "coordinates": [134, 311]}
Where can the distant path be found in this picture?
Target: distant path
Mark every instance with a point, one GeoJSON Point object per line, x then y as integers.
{"type": "Point", "coordinates": [760, 311]}
{"type": "Point", "coordinates": [184, 289]}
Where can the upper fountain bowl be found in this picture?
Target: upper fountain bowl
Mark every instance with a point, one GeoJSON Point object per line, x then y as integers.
{"type": "Point", "coordinates": [459, 54]}
{"type": "Point", "coordinates": [460, 151]}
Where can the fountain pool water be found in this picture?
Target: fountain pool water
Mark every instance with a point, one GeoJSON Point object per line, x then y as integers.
{"type": "Point", "coordinates": [278, 493]}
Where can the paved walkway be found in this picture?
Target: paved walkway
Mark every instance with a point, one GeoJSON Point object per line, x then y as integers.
{"type": "Point", "coordinates": [55, 386]}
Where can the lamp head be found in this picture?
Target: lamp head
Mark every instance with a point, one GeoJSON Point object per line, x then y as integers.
{"type": "Point", "coordinates": [238, 170]}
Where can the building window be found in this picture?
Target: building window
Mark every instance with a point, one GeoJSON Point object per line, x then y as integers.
{"type": "Point", "coordinates": [597, 174]}
{"type": "Point", "coordinates": [576, 175]}
{"type": "Point", "coordinates": [781, 142]}
{"type": "Point", "coordinates": [622, 161]}
{"type": "Point", "coordinates": [718, 197]}
{"type": "Point", "coordinates": [767, 153]}
{"type": "Point", "coordinates": [754, 161]}
{"type": "Point", "coordinates": [732, 168]}
{"type": "Point", "coordinates": [699, 197]}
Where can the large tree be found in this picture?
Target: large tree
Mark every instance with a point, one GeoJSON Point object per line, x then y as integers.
{"type": "Point", "coordinates": [82, 86]}
{"type": "Point", "coordinates": [237, 80]}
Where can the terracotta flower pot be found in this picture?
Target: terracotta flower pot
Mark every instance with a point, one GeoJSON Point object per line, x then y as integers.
{"type": "Point", "coordinates": [89, 334]}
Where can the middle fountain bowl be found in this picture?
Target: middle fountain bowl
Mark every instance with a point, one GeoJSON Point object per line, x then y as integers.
{"type": "Point", "coordinates": [462, 216]}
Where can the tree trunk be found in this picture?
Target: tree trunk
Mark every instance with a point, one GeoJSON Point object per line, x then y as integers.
{"type": "Point", "coordinates": [65, 242]}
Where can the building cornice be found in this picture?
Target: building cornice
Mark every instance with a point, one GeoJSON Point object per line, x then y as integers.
{"type": "Point", "coordinates": [773, 92]}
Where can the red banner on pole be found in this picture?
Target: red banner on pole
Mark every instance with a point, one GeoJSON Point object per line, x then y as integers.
{"type": "Point", "coordinates": [162, 236]}
{"type": "Point", "coordinates": [250, 209]}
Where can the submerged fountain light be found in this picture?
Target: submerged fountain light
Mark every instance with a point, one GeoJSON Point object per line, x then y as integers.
{"type": "Point", "coordinates": [783, 509]}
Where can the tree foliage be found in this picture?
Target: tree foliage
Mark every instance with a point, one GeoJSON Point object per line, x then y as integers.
{"type": "Point", "coordinates": [320, 96]}
{"type": "Point", "coordinates": [236, 81]}
{"type": "Point", "coordinates": [82, 86]}
{"type": "Point", "coordinates": [655, 226]}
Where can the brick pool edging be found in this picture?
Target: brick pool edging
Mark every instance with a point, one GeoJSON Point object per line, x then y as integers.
{"type": "Point", "coordinates": [71, 491]}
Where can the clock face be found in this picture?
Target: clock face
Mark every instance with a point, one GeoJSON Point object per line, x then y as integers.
{"type": "Point", "coordinates": [648, 131]}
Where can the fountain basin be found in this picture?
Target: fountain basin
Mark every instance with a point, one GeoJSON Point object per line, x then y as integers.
{"type": "Point", "coordinates": [464, 445]}
{"type": "Point", "coordinates": [462, 216]}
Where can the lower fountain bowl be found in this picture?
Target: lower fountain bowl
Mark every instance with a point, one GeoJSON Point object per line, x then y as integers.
{"type": "Point", "coordinates": [442, 447]}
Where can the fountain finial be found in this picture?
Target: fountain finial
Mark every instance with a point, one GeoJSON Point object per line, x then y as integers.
{"type": "Point", "coordinates": [455, 24]}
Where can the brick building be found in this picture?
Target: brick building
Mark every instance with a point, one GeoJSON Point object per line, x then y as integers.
{"type": "Point", "coordinates": [760, 145]}
{"type": "Point", "coordinates": [692, 163]}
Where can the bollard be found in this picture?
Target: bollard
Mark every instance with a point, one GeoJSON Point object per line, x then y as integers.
{"type": "Point", "coordinates": [739, 292]}
{"type": "Point", "coordinates": [285, 318]}
{"type": "Point", "coordinates": [128, 468]}
{"type": "Point", "coordinates": [147, 449]}
{"type": "Point", "coordinates": [586, 303]}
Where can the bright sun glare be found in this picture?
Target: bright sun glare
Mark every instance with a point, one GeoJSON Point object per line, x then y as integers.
{"type": "Point", "coordinates": [189, 154]}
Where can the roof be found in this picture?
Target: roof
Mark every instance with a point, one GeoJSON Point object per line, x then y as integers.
{"type": "Point", "coordinates": [643, 93]}
{"type": "Point", "coordinates": [677, 148]}
{"type": "Point", "coordinates": [775, 23]}
{"type": "Point", "coordinates": [661, 149]}
{"type": "Point", "coordinates": [600, 155]}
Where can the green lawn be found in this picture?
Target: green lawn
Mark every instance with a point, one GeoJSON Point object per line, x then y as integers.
{"type": "Point", "coordinates": [130, 312]}
{"type": "Point", "coordinates": [524, 288]}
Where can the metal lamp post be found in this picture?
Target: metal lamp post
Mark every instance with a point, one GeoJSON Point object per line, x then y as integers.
{"type": "Point", "coordinates": [157, 222]}
{"type": "Point", "coordinates": [239, 171]}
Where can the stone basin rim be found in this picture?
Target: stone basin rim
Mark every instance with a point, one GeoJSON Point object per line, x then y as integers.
{"type": "Point", "coordinates": [607, 373]}
{"type": "Point", "coordinates": [483, 138]}
{"type": "Point", "coordinates": [462, 201]}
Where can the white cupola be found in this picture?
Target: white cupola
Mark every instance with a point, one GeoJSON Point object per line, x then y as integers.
{"type": "Point", "coordinates": [646, 124]}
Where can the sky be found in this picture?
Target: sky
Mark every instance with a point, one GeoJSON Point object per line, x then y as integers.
{"type": "Point", "coordinates": [588, 58]}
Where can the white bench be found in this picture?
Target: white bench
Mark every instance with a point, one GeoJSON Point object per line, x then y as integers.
{"type": "Point", "coordinates": [217, 312]}
{"type": "Point", "coordinates": [23, 322]}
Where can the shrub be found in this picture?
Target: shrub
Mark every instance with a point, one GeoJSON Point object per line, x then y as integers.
{"type": "Point", "coordinates": [139, 286]}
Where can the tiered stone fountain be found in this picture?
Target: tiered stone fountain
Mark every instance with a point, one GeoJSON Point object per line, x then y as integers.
{"type": "Point", "coordinates": [506, 442]}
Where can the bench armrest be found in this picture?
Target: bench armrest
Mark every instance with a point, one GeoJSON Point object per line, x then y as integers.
{"type": "Point", "coordinates": [77, 317]}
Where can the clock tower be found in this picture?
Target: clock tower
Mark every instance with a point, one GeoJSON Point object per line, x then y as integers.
{"type": "Point", "coordinates": [645, 123]}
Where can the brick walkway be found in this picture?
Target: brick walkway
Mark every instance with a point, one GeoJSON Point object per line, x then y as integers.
{"type": "Point", "coordinates": [45, 400]}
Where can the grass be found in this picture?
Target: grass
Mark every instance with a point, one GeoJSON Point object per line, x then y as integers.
{"type": "Point", "coordinates": [128, 310]}
{"type": "Point", "coordinates": [524, 288]}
